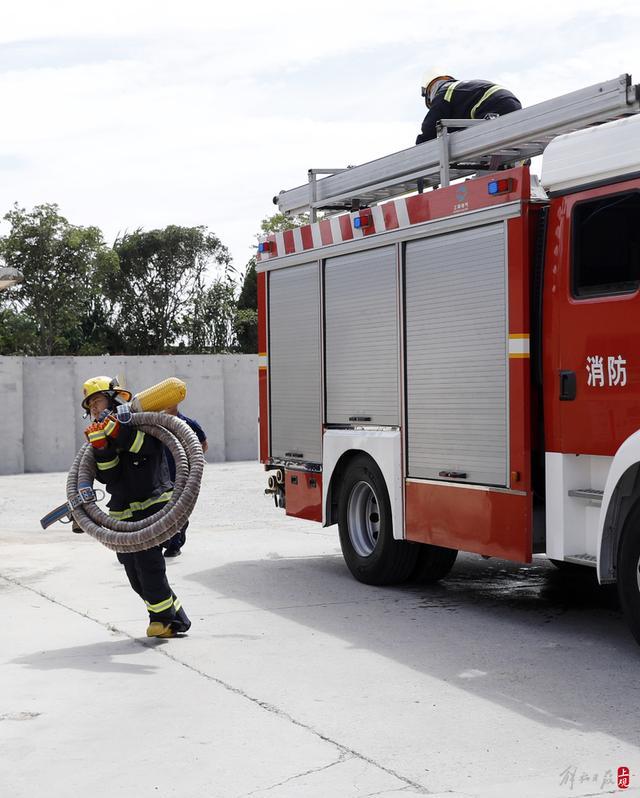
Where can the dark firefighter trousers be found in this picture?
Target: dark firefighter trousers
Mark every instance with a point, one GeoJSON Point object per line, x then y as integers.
{"type": "Point", "coordinates": [147, 574]}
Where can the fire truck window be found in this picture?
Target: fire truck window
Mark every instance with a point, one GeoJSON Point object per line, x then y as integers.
{"type": "Point", "coordinates": [606, 245]}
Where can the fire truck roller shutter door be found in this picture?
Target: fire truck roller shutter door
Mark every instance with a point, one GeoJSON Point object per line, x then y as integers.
{"type": "Point", "coordinates": [294, 360]}
{"type": "Point", "coordinates": [361, 311]}
{"type": "Point", "coordinates": [456, 350]}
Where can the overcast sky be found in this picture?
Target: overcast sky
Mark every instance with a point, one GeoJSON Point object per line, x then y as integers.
{"type": "Point", "coordinates": [146, 113]}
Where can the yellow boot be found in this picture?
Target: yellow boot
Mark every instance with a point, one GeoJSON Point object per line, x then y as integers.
{"type": "Point", "coordinates": [159, 629]}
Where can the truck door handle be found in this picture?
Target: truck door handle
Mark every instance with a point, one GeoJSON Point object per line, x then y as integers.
{"type": "Point", "coordinates": [567, 386]}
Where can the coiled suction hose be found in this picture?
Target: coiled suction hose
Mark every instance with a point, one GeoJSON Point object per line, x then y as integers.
{"type": "Point", "coordinates": [131, 536]}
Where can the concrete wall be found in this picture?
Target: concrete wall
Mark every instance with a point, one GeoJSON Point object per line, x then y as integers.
{"type": "Point", "coordinates": [41, 423]}
{"type": "Point", "coordinates": [11, 424]}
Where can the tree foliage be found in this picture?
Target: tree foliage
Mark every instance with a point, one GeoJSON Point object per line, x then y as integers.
{"type": "Point", "coordinates": [18, 333]}
{"type": "Point", "coordinates": [153, 292]}
{"type": "Point", "coordinates": [64, 266]}
{"type": "Point", "coordinates": [279, 222]}
{"type": "Point", "coordinates": [160, 281]}
{"type": "Point", "coordinates": [210, 325]}
{"type": "Point", "coordinates": [246, 321]}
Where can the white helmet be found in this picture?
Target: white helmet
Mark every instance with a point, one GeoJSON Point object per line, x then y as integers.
{"type": "Point", "coordinates": [431, 82]}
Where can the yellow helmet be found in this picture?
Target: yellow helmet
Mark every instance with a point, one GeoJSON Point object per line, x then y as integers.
{"type": "Point", "coordinates": [107, 385]}
{"type": "Point", "coordinates": [431, 81]}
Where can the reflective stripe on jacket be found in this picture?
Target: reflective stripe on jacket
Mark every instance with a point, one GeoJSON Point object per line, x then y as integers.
{"type": "Point", "coordinates": [466, 99]}
{"type": "Point", "coordinates": [134, 471]}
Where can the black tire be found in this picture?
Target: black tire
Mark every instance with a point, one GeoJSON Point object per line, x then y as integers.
{"type": "Point", "coordinates": [366, 531]}
{"type": "Point", "coordinates": [629, 573]}
{"type": "Point", "coordinates": [433, 563]}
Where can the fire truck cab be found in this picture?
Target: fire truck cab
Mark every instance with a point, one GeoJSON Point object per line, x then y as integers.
{"type": "Point", "coordinates": [458, 369]}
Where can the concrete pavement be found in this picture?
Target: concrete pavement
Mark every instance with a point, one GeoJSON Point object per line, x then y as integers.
{"type": "Point", "coordinates": [295, 680]}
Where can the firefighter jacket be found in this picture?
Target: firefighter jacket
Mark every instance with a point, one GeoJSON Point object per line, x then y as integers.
{"type": "Point", "coordinates": [466, 99]}
{"type": "Point", "coordinates": [171, 463]}
{"type": "Point", "coordinates": [134, 471]}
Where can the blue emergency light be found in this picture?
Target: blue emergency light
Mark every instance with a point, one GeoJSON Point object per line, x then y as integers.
{"type": "Point", "coordinates": [363, 219]}
{"type": "Point", "coordinates": [502, 186]}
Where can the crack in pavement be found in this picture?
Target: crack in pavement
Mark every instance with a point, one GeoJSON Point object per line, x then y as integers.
{"type": "Point", "coordinates": [385, 792]}
{"type": "Point", "coordinates": [342, 758]}
{"type": "Point", "coordinates": [345, 751]}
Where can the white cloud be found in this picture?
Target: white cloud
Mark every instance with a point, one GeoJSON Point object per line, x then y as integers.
{"type": "Point", "coordinates": [149, 113]}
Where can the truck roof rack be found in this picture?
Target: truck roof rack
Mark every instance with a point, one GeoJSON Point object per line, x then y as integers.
{"type": "Point", "coordinates": [482, 145]}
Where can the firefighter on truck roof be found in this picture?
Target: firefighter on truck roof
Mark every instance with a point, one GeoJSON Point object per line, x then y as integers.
{"type": "Point", "coordinates": [448, 98]}
{"type": "Point", "coordinates": [132, 466]}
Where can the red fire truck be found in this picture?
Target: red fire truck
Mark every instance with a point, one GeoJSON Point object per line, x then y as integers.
{"type": "Point", "coordinates": [458, 368]}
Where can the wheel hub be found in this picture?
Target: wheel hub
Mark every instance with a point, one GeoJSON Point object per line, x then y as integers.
{"type": "Point", "coordinates": [363, 519]}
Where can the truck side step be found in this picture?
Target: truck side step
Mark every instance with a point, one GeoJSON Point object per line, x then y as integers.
{"type": "Point", "coordinates": [591, 495]}
{"type": "Point", "coordinates": [582, 559]}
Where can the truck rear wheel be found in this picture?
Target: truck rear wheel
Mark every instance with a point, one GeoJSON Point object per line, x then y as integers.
{"type": "Point", "coordinates": [366, 530]}
{"type": "Point", "coordinates": [433, 563]}
{"type": "Point", "coordinates": [629, 573]}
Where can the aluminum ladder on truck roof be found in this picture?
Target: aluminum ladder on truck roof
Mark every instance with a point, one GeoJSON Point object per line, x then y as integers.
{"type": "Point", "coordinates": [482, 145]}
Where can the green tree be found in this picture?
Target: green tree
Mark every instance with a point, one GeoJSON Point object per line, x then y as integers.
{"type": "Point", "coordinates": [100, 332]}
{"type": "Point", "coordinates": [64, 268]}
{"type": "Point", "coordinates": [278, 222]}
{"type": "Point", "coordinates": [246, 318]}
{"type": "Point", "coordinates": [210, 325]}
{"type": "Point", "coordinates": [246, 321]}
{"type": "Point", "coordinates": [160, 284]}
{"type": "Point", "coordinates": [18, 333]}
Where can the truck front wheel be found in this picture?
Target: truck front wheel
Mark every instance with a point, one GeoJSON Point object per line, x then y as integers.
{"type": "Point", "coordinates": [629, 573]}
{"type": "Point", "coordinates": [366, 530]}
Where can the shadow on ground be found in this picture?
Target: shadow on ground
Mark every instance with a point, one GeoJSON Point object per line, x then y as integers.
{"type": "Point", "coordinates": [99, 657]}
{"type": "Point", "coordinates": [547, 644]}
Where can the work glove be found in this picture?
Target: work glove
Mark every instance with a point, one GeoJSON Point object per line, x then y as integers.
{"type": "Point", "coordinates": [96, 435]}
{"type": "Point", "coordinates": [111, 427]}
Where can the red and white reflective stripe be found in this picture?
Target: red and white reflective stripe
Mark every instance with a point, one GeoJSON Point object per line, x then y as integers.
{"type": "Point", "coordinates": [402, 213]}
{"type": "Point", "coordinates": [379, 220]}
{"type": "Point", "coordinates": [338, 229]}
{"type": "Point", "coordinates": [315, 235]}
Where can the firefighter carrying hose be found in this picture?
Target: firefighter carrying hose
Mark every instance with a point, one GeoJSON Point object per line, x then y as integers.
{"type": "Point", "coordinates": [131, 465]}
{"type": "Point", "coordinates": [448, 98]}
